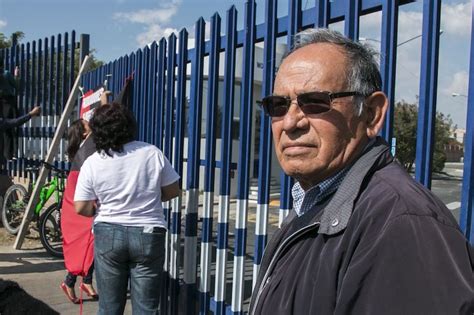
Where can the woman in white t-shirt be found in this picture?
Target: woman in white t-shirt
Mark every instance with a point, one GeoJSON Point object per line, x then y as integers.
{"type": "Point", "coordinates": [123, 184]}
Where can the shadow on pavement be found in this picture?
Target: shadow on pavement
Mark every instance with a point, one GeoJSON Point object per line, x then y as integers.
{"type": "Point", "coordinates": [28, 261]}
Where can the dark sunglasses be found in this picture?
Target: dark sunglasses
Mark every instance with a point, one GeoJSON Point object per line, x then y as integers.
{"type": "Point", "coordinates": [310, 103]}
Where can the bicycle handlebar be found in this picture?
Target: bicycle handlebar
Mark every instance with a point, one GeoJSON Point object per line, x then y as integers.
{"type": "Point", "coordinates": [54, 168]}
{"type": "Point", "coordinates": [51, 167]}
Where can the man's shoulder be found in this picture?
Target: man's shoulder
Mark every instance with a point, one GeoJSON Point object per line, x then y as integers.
{"type": "Point", "coordinates": [392, 192]}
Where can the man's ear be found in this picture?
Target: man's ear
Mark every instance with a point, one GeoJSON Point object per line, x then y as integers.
{"type": "Point", "coordinates": [376, 106]}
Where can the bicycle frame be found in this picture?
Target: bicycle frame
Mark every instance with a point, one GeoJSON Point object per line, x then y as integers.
{"type": "Point", "coordinates": [55, 186]}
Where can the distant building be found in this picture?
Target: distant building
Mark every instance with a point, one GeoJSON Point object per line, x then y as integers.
{"type": "Point", "coordinates": [460, 135]}
{"type": "Point", "coordinates": [454, 150]}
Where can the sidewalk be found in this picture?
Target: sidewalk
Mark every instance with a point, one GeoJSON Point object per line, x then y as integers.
{"type": "Point", "coordinates": [40, 275]}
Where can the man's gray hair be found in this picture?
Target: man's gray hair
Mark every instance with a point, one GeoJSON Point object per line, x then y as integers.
{"type": "Point", "coordinates": [363, 73]}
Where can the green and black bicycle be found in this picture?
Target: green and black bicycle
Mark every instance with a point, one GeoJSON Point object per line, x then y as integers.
{"type": "Point", "coordinates": [48, 222]}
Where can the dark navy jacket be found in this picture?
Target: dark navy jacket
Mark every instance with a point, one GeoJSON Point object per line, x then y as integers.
{"type": "Point", "coordinates": [382, 244]}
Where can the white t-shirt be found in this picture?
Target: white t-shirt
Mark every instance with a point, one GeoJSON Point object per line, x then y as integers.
{"type": "Point", "coordinates": [127, 185]}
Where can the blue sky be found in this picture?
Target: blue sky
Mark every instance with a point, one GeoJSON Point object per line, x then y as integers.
{"type": "Point", "coordinates": [118, 27]}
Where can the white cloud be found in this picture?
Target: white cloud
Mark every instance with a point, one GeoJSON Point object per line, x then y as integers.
{"type": "Point", "coordinates": [458, 84]}
{"type": "Point", "coordinates": [456, 19]}
{"type": "Point", "coordinates": [192, 33]}
{"type": "Point", "coordinates": [154, 33]}
{"type": "Point", "coordinates": [3, 24]}
{"type": "Point", "coordinates": [154, 21]}
{"type": "Point", "coordinates": [148, 16]}
{"type": "Point", "coordinates": [409, 25]}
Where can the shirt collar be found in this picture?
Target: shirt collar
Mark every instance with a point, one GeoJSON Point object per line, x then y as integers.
{"type": "Point", "coordinates": [303, 201]}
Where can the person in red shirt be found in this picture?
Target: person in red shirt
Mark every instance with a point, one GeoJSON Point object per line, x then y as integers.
{"type": "Point", "coordinates": [77, 236]}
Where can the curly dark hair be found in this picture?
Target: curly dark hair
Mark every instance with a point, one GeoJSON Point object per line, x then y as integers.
{"type": "Point", "coordinates": [112, 125]}
{"type": "Point", "coordinates": [75, 135]}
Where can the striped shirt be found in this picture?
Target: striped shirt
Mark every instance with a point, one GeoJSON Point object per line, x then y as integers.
{"type": "Point", "coordinates": [304, 201]}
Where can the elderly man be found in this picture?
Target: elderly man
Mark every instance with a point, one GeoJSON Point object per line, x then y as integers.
{"type": "Point", "coordinates": [364, 237]}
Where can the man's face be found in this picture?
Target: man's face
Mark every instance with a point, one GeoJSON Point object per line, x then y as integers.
{"type": "Point", "coordinates": [313, 147]}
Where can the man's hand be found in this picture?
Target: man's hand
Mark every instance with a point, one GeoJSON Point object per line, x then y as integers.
{"type": "Point", "coordinates": [36, 111]}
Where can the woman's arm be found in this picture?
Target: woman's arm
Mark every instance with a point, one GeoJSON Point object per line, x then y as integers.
{"type": "Point", "coordinates": [170, 191]}
{"type": "Point", "coordinates": [85, 208]}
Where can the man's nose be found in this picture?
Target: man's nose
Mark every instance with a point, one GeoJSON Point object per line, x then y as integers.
{"type": "Point", "coordinates": [294, 118]}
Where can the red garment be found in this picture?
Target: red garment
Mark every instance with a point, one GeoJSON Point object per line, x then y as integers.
{"type": "Point", "coordinates": [78, 240]}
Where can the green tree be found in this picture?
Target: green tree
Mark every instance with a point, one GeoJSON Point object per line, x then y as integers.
{"type": "Point", "coordinates": [405, 120]}
{"type": "Point", "coordinates": [7, 42]}
{"type": "Point", "coordinates": [405, 130]}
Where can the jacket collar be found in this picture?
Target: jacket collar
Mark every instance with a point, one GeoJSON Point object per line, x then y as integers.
{"type": "Point", "coordinates": [337, 212]}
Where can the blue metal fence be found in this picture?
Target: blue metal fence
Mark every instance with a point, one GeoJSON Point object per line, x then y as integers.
{"type": "Point", "coordinates": [179, 90]}
{"type": "Point", "coordinates": [46, 74]}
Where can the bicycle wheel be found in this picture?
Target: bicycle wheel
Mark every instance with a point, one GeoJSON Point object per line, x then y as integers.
{"type": "Point", "coordinates": [14, 205]}
{"type": "Point", "coordinates": [50, 231]}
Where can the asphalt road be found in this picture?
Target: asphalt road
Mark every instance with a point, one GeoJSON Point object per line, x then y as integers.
{"type": "Point", "coordinates": [448, 186]}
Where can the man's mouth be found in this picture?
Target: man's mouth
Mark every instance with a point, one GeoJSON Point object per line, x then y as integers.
{"type": "Point", "coordinates": [297, 148]}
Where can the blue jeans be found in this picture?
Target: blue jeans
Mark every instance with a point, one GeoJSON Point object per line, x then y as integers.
{"type": "Point", "coordinates": [122, 252]}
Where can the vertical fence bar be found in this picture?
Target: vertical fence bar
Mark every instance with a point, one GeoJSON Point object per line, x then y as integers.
{"type": "Point", "coordinates": [428, 91]}
{"type": "Point", "coordinates": [44, 117]}
{"type": "Point", "coordinates": [121, 74]}
{"type": "Point", "coordinates": [25, 104]}
{"type": "Point", "coordinates": [144, 94]}
{"type": "Point", "coordinates": [38, 149]}
{"type": "Point", "coordinates": [152, 94]}
{"type": "Point", "coordinates": [72, 46]}
{"type": "Point", "coordinates": [12, 51]}
{"type": "Point", "coordinates": [66, 86]}
{"type": "Point", "coordinates": [246, 108]}
{"type": "Point", "coordinates": [181, 103]}
{"type": "Point", "coordinates": [265, 149]}
{"type": "Point", "coordinates": [21, 110]}
{"type": "Point", "coordinates": [65, 78]}
{"type": "Point", "coordinates": [57, 95]}
{"type": "Point", "coordinates": [160, 93]}
{"type": "Point", "coordinates": [33, 100]}
{"type": "Point", "coordinates": [18, 91]}
{"type": "Point", "coordinates": [322, 13]}
{"type": "Point", "coordinates": [168, 140]}
{"type": "Point", "coordinates": [351, 22]}
{"type": "Point", "coordinates": [467, 196]}
{"type": "Point", "coordinates": [141, 93]}
{"type": "Point", "coordinates": [388, 61]}
{"type": "Point", "coordinates": [226, 160]}
{"type": "Point", "coordinates": [115, 82]}
{"type": "Point", "coordinates": [192, 178]}
{"type": "Point", "coordinates": [294, 24]}
{"type": "Point", "coordinates": [136, 80]}
{"type": "Point", "coordinates": [49, 108]}
{"type": "Point", "coordinates": [209, 173]}
{"type": "Point", "coordinates": [169, 117]}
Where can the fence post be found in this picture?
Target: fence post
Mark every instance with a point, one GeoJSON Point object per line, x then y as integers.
{"type": "Point", "coordinates": [428, 91]}
{"type": "Point", "coordinates": [388, 62]}
{"type": "Point", "coordinates": [467, 196]}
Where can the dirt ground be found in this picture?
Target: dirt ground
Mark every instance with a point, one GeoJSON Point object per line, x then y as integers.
{"type": "Point", "coordinates": [31, 240]}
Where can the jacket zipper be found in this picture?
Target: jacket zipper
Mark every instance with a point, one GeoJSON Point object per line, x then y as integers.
{"type": "Point", "coordinates": [266, 278]}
